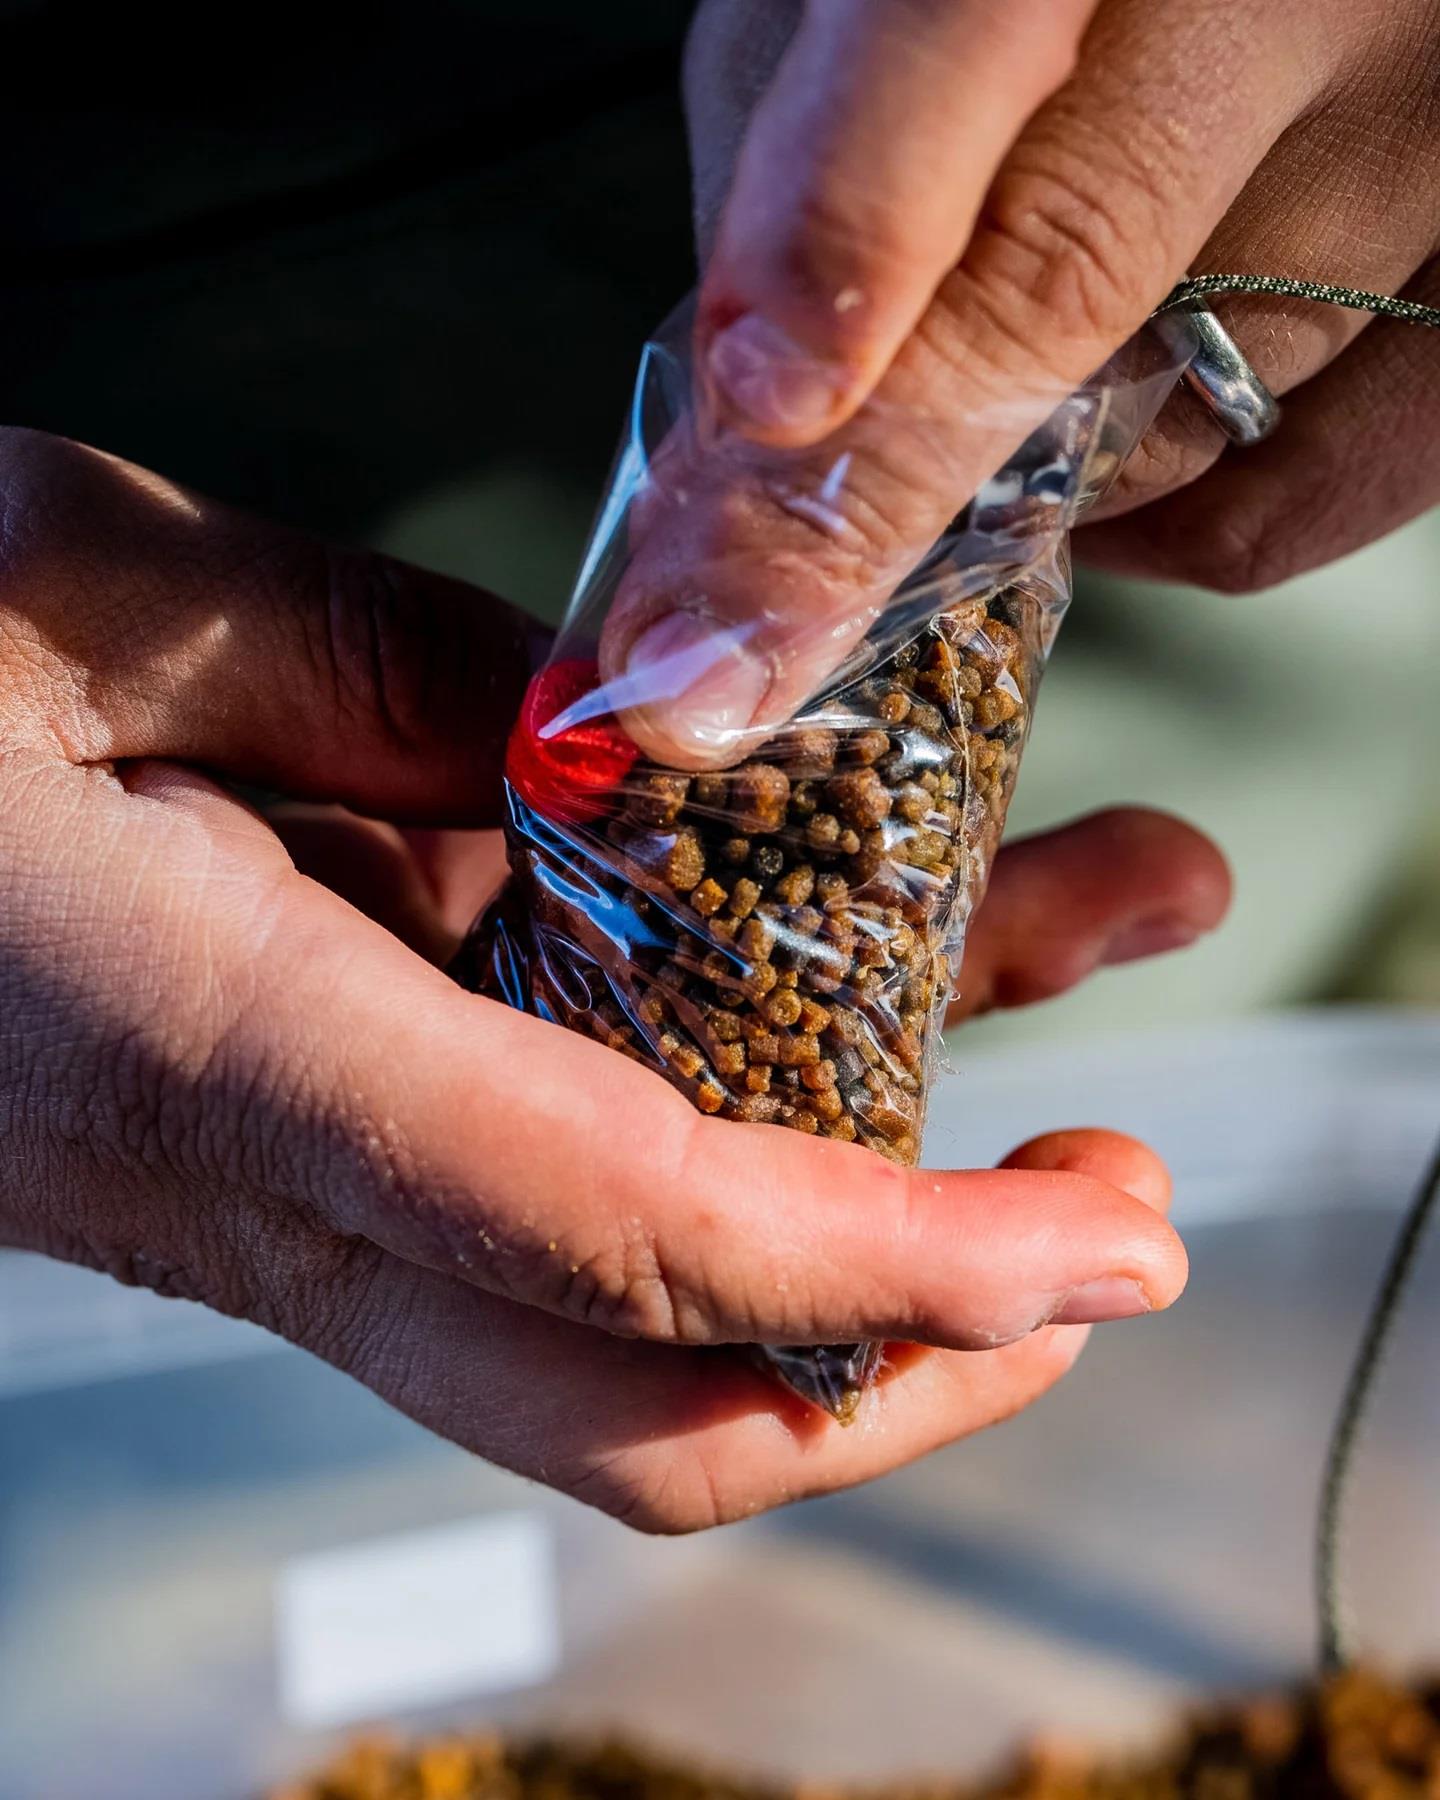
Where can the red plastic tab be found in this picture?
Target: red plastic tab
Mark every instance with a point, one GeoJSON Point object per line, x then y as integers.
{"type": "Point", "coordinates": [572, 776]}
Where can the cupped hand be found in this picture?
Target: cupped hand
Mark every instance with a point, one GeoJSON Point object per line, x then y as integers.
{"type": "Point", "coordinates": [222, 1080]}
{"type": "Point", "coordinates": [923, 220]}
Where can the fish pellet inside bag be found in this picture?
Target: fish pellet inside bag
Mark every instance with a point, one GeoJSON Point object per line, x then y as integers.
{"type": "Point", "coordinates": [778, 932]}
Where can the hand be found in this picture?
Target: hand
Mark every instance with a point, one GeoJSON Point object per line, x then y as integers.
{"type": "Point", "coordinates": [221, 1080]}
{"type": "Point", "coordinates": [972, 204]}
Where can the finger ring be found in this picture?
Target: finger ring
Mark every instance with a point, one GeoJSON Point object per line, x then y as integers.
{"type": "Point", "coordinates": [1235, 396]}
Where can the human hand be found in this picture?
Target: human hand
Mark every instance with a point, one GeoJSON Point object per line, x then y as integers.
{"type": "Point", "coordinates": [961, 208]}
{"type": "Point", "coordinates": [222, 1081]}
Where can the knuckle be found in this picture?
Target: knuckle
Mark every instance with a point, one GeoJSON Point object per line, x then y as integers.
{"type": "Point", "coordinates": [325, 1303]}
{"type": "Point", "coordinates": [1074, 242]}
{"type": "Point", "coordinates": [623, 1290]}
{"type": "Point", "coordinates": [670, 1495]}
{"type": "Point", "coordinates": [1237, 552]}
{"type": "Point", "coordinates": [848, 528]}
{"type": "Point", "coordinates": [833, 224]}
{"type": "Point", "coordinates": [400, 653]}
{"type": "Point", "coordinates": [838, 236]}
{"type": "Point", "coordinates": [380, 670]}
{"type": "Point", "coordinates": [1170, 456]}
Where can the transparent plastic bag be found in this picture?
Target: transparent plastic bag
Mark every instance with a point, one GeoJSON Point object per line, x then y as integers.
{"type": "Point", "coordinates": [778, 932]}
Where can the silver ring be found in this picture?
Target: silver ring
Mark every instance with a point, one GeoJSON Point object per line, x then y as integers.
{"type": "Point", "coordinates": [1238, 400]}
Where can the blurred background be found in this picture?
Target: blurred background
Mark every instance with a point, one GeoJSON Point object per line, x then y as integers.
{"type": "Point", "coordinates": [389, 283]}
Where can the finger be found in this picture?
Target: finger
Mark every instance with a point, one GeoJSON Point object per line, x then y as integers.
{"type": "Point", "coordinates": [678, 1439]}
{"type": "Point", "coordinates": [1317, 203]}
{"type": "Point", "coordinates": [1107, 889]}
{"type": "Point", "coordinates": [722, 1232]}
{"type": "Point", "coordinates": [425, 887]}
{"type": "Point", "coordinates": [1109, 1155]}
{"type": "Point", "coordinates": [464, 871]}
{"type": "Point", "coordinates": [1354, 461]}
{"type": "Point", "coordinates": [666, 1439]}
{"type": "Point", "coordinates": [752, 577]}
{"type": "Point", "coordinates": [497, 1147]}
{"type": "Point", "coordinates": [889, 121]}
{"type": "Point", "coordinates": [166, 625]}
{"type": "Point", "coordinates": [371, 865]}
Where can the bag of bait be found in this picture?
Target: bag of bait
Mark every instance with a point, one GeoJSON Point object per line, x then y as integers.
{"type": "Point", "coordinates": [769, 911]}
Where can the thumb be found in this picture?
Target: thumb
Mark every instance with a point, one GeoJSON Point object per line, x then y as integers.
{"type": "Point", "coordinates": [780, 548]}
{"type": "Point", "coordinates": [888, 120]}
{"type": "Point", "coordinates": [190, 631]}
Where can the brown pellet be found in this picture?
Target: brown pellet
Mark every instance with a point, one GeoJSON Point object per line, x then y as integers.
{"type": "Point", "coordinates": [759, 795]}
{"type": "Point", "coordinates": [743, 897]}
{"type": "Point", "coordinates": [912, 803]}
{"type": "Point", "coordinates": [1357, 1734]}
{"type": "Point", "coordinates": [684, 863]}
{"type": "Point", "coordinates": [822, 833]}
{"type": "Point", "coordinates": [995, 707]}
{"type": "Point", "coordinates": [860, 797]}
{"type": "Point", "coordinates": [810, 750]}
{"type": "Point", "coordinates": [729, 1059]}
{"type": "Point", "coordinates": [658, 797]}
{"type": "Point", "coordinates": [709, 897]}
{"type": "Point", "coordinates": [796, 887]}
{"type": "Point", "coordinates": [827, 1104]}
{"type": "Point", "coordinates": [866, 747]}
{"type": "Point", "coordinates": [803, 800]}
{"type": "Point", "coordinates": [783, 1007]}
{"type": "Point", "coordinates": [759, 980]}
{"type": "Point", "coordinates": [710, 792]}
{"type": "Point", "coordinates": [718, 967]}
{"type": "Point", "coordinates": [757, 939]}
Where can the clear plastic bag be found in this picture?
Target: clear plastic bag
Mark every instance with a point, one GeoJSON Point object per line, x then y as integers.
{"type": "Point", "coordinates": [778, 932]}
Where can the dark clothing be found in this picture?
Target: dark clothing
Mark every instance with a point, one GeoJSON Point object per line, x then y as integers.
{"type": "Point", "coordinates": [317, 262]}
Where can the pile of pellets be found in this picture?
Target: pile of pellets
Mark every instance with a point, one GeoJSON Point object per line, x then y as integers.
{"type": "Point", "coordinates": [1357, 1737]}
{"type": "Point", "coordinates": [775, 937]}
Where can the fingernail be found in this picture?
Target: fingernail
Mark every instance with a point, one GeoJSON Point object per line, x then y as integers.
{"type": "Point", "coordinates": [1111, 1297]}
{"type": "Point", "coordinates": [1148, 937]}
{"type": "Point", "coordinates": [697, 680]}
{"type": "Point", "coordinates": [762, 375]}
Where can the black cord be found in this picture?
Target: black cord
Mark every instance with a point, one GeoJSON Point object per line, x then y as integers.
{"type": "Point", "coordinates": [1340, 1458]}
{"type": "Point", "coordinates": [1196, 287]}
{"type": "Point", "coordinates": [1385, 1307]}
